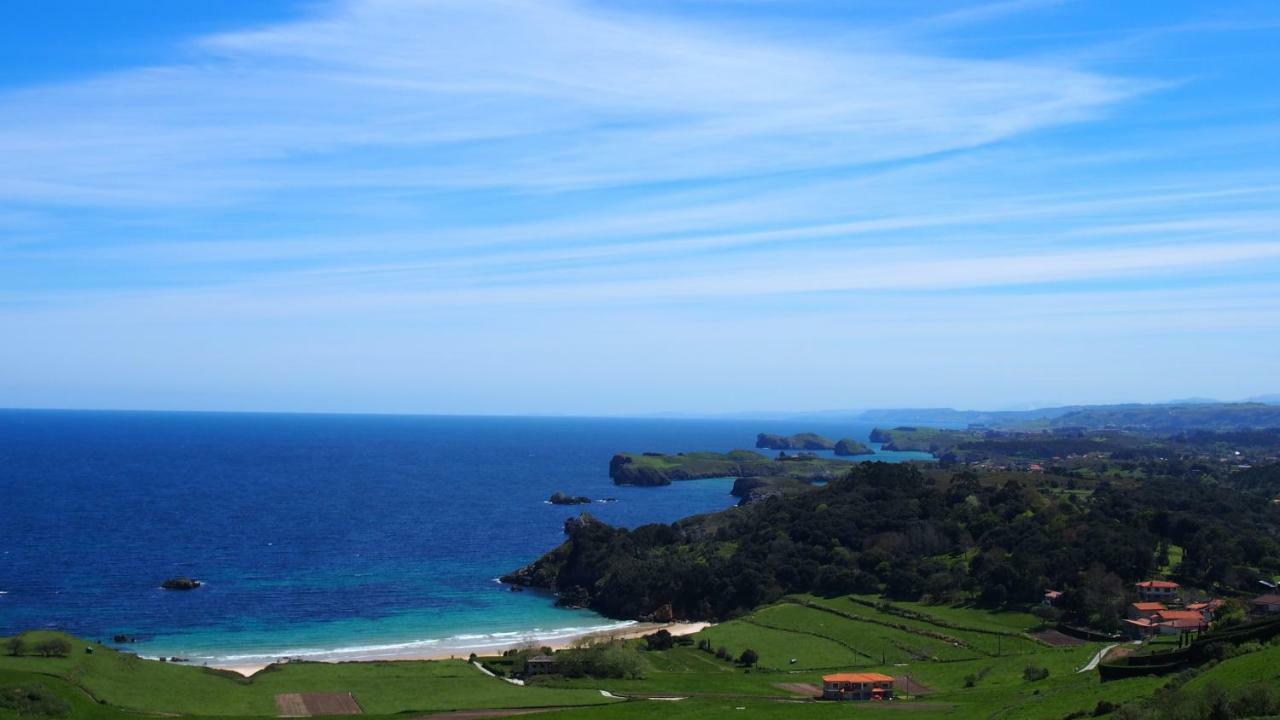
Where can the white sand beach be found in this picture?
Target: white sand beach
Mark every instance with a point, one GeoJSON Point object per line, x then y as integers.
{"type": "Point", "coordinates": [631, 631]}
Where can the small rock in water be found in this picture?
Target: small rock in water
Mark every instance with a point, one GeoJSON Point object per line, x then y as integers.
{"type": "Point", "coordinates": [180, 583]}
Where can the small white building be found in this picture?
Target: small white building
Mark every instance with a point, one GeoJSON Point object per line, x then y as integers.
{"type": "Point", "coordinates": [1158, 590]}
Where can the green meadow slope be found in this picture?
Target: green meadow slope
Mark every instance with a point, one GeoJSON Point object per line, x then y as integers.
{"type": "Point", "coordinates": [951, 661]}
{"type": "Point", "coordinates": [126, 682]}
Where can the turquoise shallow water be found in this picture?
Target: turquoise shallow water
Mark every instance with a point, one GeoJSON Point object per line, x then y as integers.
{"type": "Point", "coordinates": [323, 536]}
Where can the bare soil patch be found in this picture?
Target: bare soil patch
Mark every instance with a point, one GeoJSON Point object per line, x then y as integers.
{"type": "Point", "coordinates": [1058, 639]}
{"type": "Point", "coordinates": [907, 685]}
{"type": "Point", "coordinates": [308, 704]}
{"type": "Point", "coordinates": [806, 689]}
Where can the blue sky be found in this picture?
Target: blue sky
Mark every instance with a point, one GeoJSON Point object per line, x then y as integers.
{"type": "Point", "coordinates": [508, 206]}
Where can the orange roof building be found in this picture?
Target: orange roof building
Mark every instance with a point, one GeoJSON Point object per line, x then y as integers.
{"type": "Point", "coordinates": [1180, 615]}
{"type": "Point", "coordinates": [857, 686]}
{"type": "Point", "coordinates": [857, 678]}
{"type": "Point", "coordinates": [1144, 609]}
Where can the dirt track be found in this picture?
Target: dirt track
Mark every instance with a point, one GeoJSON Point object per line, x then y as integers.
{"type": "Point", "coordinates": [805, 689]}
{"type": "Point", "coordinates": [482, 714]}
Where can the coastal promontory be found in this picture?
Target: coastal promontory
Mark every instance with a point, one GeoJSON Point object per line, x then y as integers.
{"type": "Point", "coordinates": [848, 446]}
{"type": "Point", "coordinates": [755, 475]}
{"type": "Point", "coordinates": [799, 441]}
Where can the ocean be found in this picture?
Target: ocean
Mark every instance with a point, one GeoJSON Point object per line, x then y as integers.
{"type": "Point", "coordinates": [321, 536]}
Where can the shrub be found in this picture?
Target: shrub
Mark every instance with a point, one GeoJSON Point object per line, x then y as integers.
{"type": "Point", "coordinates": [32, 700]}
{"type": "Point", "coordinates": [1033, 673]}
{"type": "Point", "coordinates": [722, 652]}
{"type": "Point", "coordinates": [1104, 707]}
{"type": "Point", "coordinates": [608, 659]}
{"type": "Point", "coordinates": [1255, 700]}
{"type": "Point", "coordinates": [748, 658]}
{"type": "Point", "coordinates": [15, 645]}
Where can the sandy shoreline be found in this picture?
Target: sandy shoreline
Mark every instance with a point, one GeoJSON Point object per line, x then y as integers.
{"type": "Point", "coordinates": [631, 631]}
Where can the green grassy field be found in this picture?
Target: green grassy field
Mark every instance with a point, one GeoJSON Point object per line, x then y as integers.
{"type": "Point", "coordinates": [1261, 666]}
{"type": "Point", "coordinates": [122, 680]}
{"type": "Point", "coordinates": [968, 677]}
{"type": "Point", "coordinates": [969, 681]}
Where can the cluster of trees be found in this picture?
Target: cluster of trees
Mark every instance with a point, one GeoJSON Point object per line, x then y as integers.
{"type": "Point", "coordinates": [748, 658]}
{"type": "Point", "coordinates": [51, 647]}
{"type": "Point", "coordinates": [597, 658]}
{"type": "Point", "coordinates": [995, 538]}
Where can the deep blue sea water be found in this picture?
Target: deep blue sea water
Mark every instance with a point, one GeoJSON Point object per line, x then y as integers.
{"type": "Point", "coordinates": [322, 535]}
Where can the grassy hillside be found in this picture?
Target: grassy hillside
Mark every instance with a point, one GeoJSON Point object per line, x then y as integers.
{"type": "Point", "coordinates": [961, 663]}
{"type": "Point", "coordinates": [126, 681]}
{"type": "Point", "coordinates": [968, 680]}
{"type": "Point", "coordinates": [923, 439]}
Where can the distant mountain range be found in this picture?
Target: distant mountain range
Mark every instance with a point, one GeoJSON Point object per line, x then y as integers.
{"type": "Point", "coordinates": [1168, 417]}
{"type": "Point", "coordinates": [1258, 412]}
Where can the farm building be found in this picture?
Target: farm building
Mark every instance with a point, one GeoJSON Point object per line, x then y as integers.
{"type": "Point", "coordinates": [540, 665]}
{"type": "Point", "coordinates": [857, 686]}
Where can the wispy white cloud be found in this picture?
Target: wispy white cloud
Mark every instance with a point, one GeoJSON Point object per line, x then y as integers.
{"type": "Point", "coordinates": [407, 185]}
{"type": "Point", "coordinates": [508, 93]}
{"type": "Point", "coordinates": [982, 12]}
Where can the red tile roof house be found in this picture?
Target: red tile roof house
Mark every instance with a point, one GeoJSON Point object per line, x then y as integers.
{"type": "Point", "coordinates": [1269, 603]}
{"type": "Point", "coordinates": [1158, 590]}
{"type": "Point", "coordinates": [857, 686]}
{"type": "Point", "coordinates": [1210, 607]}
{"type": "Point", "coordinates": [1144, 619]}
{"type": "Point", "coordinates": [1143, 610]}
{"type": "Point", "coordinates": [1140, 628]}
{"type": "Point", "coordinates": [1172, 622]}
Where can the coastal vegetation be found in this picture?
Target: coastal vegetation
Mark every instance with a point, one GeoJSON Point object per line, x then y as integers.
{"type": "Point", "coordinates": [992, 538]}
{"type": "Point", "coordinates": [923, 439]}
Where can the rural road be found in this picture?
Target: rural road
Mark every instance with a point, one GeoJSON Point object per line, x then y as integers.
{"type": "Point", "coordinates": [1096, 659]}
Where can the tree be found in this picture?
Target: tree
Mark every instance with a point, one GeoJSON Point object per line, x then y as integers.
{"type": "Point", "coordinates": [748, 658]}
{"type": "Point", "coordinates": [1046, 613]}
{"type": "Point", "coordinates": [15, 645]}
{"type": "Point", "coordinates": [660, 640]}
{"type": "Point", "coordinates": [53, 647]}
